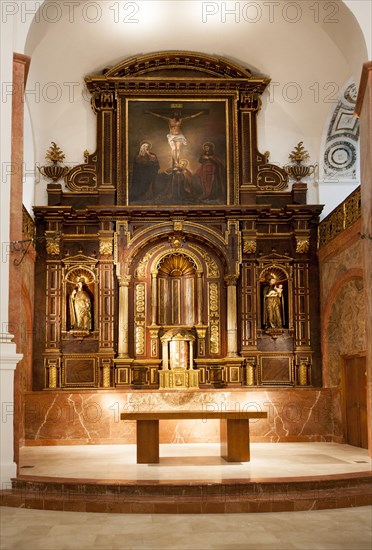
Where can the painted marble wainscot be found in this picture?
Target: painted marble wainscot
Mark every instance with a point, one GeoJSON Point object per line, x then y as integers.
{"type": "Point", "coordinates": [87, 417]}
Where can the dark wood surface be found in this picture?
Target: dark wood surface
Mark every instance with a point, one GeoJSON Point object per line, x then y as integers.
{"type": "Point", "coordinates": [234, 435]}
{"type": "Point", "coordinates": [234, 431]}
{"type": "Point", "coordinates": [147, 441]}
{"type": "Point", "coordinates": [187, 415]}
{"type": "Point", "coordinates": [355, 398]}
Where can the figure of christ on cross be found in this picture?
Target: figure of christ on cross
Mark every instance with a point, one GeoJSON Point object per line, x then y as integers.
{"type": "Point", "coordinates": [175, 137]}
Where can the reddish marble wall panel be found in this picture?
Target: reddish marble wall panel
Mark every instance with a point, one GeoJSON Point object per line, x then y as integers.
{"type": "Point", "coordinates": [342, 298]}
{"type": "Point", "coordinates": [364, 111]}
{"type": "Point", "coordinates": [88, 417]}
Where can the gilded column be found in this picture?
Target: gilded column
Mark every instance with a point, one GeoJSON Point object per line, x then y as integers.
{"type": "Point", "coordinates": [165, 355]}
{"type": "Point", "coordinates": [232, 325]}
{"type": "Point", "coordinates": [191, 351]}
{"type": "Point", "coordinates": [199, 291]}
{"type": "Point", "coordinates": [154, 301]}
{"type": "Point", "coordinates": [123, 338]}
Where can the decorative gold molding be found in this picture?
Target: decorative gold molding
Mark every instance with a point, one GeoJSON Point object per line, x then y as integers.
{"type": "Point", "coordinates": [141, 269]}
{"type": "Point", "coordinates": [178, 225]}
{"type": "Point", "coordinates": [342, 217]}
{"type": "Point", "coordinates": [176, 240]}
{"type": "Point", "coordinates": [140, 337]}
{"type": "Point", "coordinates": [28, 226]}
{"type": "Point", "coordinates": [302, 245]}
{"type": "Point", "coordinates": [214, 314]}
{"type": "Point", "coordinates": [212, 268]}
{"type": "Point", "coordinates": [140, 298]}
{"type": "Point", "coordinates": [140, 332]}
{"type": "Point", "coordinates": [250, 374]}
{"type": "Point", "coordinates": [249, 245]}
{"type": "Point", "coordinates": [251, 101]}
{"type": "Point", "coordinates": [106, 373]}
{"type": "Point", "coordinates": [105, 246]}
{"type": "Point", "coordinates": [53, 246]}
{"type": "Point", "coordinates": [302, 374]}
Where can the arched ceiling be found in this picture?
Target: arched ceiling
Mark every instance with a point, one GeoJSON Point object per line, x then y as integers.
{"type": "Point", "coordinates": [309, 50]}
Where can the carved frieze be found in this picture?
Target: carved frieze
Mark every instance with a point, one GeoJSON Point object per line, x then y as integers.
{"type": "Point", "coordinates": [212, 268]}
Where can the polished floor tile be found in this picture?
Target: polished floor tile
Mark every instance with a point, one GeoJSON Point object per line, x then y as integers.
{"type": "Point", "coordinates": [348, 529]}
{"type": "Point", "coordinates": [193, 462]}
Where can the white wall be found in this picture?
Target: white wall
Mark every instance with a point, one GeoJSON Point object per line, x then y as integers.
{"type": "Point", "coordinates": [308, 49]}
{"type": "Point", "coordinates": [297, 46]}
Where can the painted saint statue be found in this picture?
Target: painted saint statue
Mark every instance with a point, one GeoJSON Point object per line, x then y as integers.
{"type": "Point", "coordinates": [273, 304]}
{"type": "Point", "coordinates": [80, 308]}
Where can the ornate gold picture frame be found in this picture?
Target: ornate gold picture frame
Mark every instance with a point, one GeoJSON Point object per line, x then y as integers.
{"type": "Point", "coordinates": [177, 151]}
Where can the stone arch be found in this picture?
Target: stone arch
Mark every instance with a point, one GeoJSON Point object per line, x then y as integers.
{"type": "Point", "coordinates": [343, 325]}
{"type": "Point", "coordinates": [138, 251]}
{"type": "Point", "coordinates": [161, 257]}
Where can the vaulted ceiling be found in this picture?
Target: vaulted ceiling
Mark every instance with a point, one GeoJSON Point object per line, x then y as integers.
{"type": "Point", "coordinates": [309, 50]}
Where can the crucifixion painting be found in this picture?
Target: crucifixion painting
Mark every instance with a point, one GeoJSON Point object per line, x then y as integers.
{"type": "Point", "coordinates": [178, 153]}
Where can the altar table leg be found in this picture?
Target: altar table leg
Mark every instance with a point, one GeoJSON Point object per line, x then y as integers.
{"type": "Point", "coordinates": [234, 434]}
{"type": "Point", "coordinates": [147, 441]}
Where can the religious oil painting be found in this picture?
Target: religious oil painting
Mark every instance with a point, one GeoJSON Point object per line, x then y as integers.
{"type": "Point", "coordinates": [177, 152]}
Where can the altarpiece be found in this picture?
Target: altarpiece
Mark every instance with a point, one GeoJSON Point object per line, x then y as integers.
{"type": "Point", "coordinates": [176, 255]}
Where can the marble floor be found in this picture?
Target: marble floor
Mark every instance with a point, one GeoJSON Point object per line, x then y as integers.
{"type": "Point", "coordinates": [345, 528]}
{"type": "Point", "coordinates": [348, 529]}
{"type": "Point", "coordinates": [193, 462]}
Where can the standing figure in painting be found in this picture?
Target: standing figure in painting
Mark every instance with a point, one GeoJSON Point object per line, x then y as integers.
{"type": "Point", "coordinates": [175, 137]}
{"type": "Point", "coordinates": [80, 308]}
{"type": "Point", "coordinates": [145, 171]}
{"type": "Point", "coordinates": [273, 304]}
{"type": "Point", "coordinates": [210, 173]}
{"type": "Point", "coordinates": [179, 185]}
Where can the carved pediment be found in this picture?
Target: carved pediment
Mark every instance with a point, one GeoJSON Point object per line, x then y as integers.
{"type": "Point", "coordinates": [177, 334]}
{"type": "Point", "coordinates": [79, 259]}
{"type": "Point", "coordinates": [276, 264]}
{"type": "Point", "coordinates": [274, 257]}
{"type": "Point", "coordinates": [192, 63]}
{"type": "Point", "coordinates": [195, 70]}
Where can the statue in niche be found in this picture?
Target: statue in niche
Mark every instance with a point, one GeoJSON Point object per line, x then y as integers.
{"type": "Point", "coordinates": [80, 307]}
{"type": "Point", "coordinates": [273, 303]}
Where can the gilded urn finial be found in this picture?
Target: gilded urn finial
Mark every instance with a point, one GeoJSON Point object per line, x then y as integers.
{"type": "Point", "coordinates": [54, 171]}
{"type": "Point", "coordinates": [299, 153]}
{"type": "Point", "coordinates": [298, 157]}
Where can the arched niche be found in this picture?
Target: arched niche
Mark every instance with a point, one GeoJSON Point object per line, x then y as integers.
{"type": "Point", "coordinates": [177, 290]}
{"type": "Point", "coordinates": [345, 328]}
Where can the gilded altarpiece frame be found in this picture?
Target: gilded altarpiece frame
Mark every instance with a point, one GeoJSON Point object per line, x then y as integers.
{"type": "Point", "coordinates": [177, 174]}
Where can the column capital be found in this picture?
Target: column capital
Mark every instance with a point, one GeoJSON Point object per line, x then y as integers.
{"type": "Point", "coordinates": [231, 280]}
{"type": "Point", "coordinates": [124, 280]}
